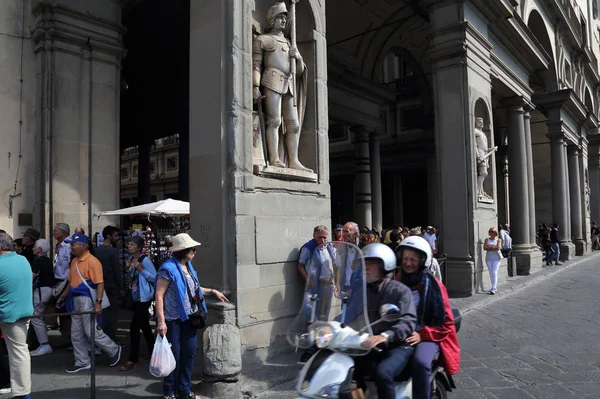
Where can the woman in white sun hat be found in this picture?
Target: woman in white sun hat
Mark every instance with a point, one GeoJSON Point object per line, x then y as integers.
{"type": "Point", "coordinates": [179, 302]}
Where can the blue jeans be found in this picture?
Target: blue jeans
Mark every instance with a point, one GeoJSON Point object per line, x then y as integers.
{"type": "Point", "coordinates": [390, 364]}
{"type": "Point", "coordinates": [421, 368]}
{"type": "Point", "coordinates": [556, 248]}
{"type": "Point", "coordinates": [182, 337]}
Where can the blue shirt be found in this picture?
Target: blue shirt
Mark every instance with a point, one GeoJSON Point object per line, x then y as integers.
{"type": "Point", "coordinates": [144, 281]}
{"type": "Point", "coordinates": [170, 305]}
{"type": "Point", "coordinates": [16, 288]}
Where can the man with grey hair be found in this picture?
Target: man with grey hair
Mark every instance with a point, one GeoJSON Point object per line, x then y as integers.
{"type": "Point", "coordinates": [62, 263]}
{"type": "Point", "coordinates": [315, 265]}
{"type": "Point", "coordinates": [43, 278]}
{"type": "Point", "coordinates": [16, 306]}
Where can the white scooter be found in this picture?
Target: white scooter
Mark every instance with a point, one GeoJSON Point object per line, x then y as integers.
{"type": "Point", "coordinates": [329, 372]}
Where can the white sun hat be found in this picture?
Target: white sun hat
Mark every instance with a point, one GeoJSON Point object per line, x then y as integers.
{"type": "Point", "coordinates": [183, 241]}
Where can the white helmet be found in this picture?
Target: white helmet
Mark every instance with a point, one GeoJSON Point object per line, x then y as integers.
{"type": "Point", "coordinates": [382, 252]}
{"type": "Point", "coordinates": [418, 244]}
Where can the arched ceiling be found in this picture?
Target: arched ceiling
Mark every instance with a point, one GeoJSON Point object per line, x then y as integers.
{"type": "Point", "coordinates": [357, 30]}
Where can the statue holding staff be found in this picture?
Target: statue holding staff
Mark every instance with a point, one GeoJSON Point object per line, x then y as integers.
{"type": "Point", "coordinates": [279, 83]}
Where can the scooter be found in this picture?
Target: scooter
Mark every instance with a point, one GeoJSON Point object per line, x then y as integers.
{"type": "Point", "coordinates": [329, 372]}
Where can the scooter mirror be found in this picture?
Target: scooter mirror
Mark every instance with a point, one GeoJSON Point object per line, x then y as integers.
{"type": "Point", "coordinates": [389, 312]}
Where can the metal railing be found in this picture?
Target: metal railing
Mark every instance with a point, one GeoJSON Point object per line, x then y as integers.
{"type": "Point", "coordinates": [92, 342]}
{"type": "Point", "coordinates": [442, 261]}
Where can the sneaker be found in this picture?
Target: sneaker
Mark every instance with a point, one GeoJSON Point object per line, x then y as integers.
{"type": "Point", "coordinates": [5, 391]}
{"type": "Point", "coordinates": [77, 369]}
{"type": "Point", "coordinates": [116, 359]}
{"type": "Point", "coordinates": [44, 349]}
{"type": "Point", "coordinates": [493, 292]}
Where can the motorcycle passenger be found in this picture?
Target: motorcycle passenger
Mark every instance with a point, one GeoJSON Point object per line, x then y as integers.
{"type": "Point", "coordinates": [435, 331]}
{"type": "Point", "coordinates": [380, 261]}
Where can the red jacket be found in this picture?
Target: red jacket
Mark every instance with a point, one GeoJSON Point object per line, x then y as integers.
{"type": "Point", "coordinates": [446, 336]}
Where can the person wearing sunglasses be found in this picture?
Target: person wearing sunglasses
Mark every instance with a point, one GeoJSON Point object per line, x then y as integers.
{"type": "Point", "coordinates": [179, 296]}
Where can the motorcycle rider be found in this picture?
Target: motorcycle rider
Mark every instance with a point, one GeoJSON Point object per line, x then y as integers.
{"type": "Point", "coordinates": [380, 262]}
{"type": "Point", "coordinates": [435, 331]}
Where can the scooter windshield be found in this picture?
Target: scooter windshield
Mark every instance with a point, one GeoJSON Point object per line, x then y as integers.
{"type": "Point", "coordinates": [333, 313]}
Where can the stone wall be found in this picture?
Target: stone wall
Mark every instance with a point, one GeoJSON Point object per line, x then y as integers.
{"type": "Point", "coordinates": [17, 104]}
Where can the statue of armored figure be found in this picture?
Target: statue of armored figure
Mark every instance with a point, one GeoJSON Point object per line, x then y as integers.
{"type": "Point", "coordinates": [282, 92]}
{"type": "Point", "coordinates": [482, 154]}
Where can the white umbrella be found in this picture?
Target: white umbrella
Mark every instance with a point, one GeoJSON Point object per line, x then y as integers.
{"type": "Point", "coordinates": [167, 207]}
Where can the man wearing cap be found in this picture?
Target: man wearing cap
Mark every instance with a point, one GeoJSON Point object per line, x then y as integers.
{"type": "Point", "coordinates": [339, 233]}
{"type": "Point", "coordinates": [29, 238]}
{"type": "Point", "coordinates": [16, 306]}
{"type": "Point", "coordinates": [85, 272]}
{"type": "Point", "coordinates": [431, 238]}
{"type": "Point", "coordinates": [62, 262]}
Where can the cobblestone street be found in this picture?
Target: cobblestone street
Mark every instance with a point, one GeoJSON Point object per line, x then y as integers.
{"type": "Point", "coordinates": [539, 342]}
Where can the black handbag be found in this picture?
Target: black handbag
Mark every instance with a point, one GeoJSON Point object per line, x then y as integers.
{"type": "Point", "coordinates": [198, 318]}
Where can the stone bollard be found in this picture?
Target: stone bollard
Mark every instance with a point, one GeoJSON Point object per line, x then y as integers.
{"type": "Point", "coordinates": [222, 349]}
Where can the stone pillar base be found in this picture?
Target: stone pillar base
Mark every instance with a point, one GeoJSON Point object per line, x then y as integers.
{"type": "Point", "coordinates": [567, 251]}
{"type": "Point", "coordinates": [460, 278]}
{"type": "Point", "coordinates": [222, 348]}
{"type": "Point", "coordinates": [580, 247]}
{"type": "Point", "coordinates": [528, 260]}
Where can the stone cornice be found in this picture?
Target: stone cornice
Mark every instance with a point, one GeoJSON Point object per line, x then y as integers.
{"type": "Point", "coordinates": [500, 67]}
{"type": "Point", "coordinates": [519, 39]}
{"type": "Point", "coordinates": [64, 24]}
{"type": "Point", "coordinates": [565, 99]}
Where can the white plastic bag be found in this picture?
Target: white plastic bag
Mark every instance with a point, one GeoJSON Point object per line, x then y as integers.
{"type": "Point", "coordinates": [162, 362]}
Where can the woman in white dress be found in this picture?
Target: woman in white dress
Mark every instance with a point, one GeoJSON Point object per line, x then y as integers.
{"type": "Point", "coordinates": [492, 246]}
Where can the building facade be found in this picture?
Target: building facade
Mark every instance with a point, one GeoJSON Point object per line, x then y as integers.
{"type": "Point", "coordinates": [463, 114]}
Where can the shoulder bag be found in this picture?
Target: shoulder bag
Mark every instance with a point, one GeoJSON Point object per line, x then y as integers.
{"type": "Point", "coordinates": [105, 303]}
{"type": "Point", "coordinates": [198, 318]}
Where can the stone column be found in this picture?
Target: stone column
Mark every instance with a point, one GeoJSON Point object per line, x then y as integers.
{"type": "Point", "coordinates": [184, 165]}
{"type": "Point", "coordinates": [530, 179]}
{"type": "Point", "coordinates": [375, 159]}
{"type": "Point", "coordinates": [433, 186]}
{"type": "Point", "coordinates": [78, 49]}
{"type": "Point", "coordinates": [575, 195]}
{"type": "Point", "coordinates": [519, 203]}
{"type": "Point", "coordinates": [143, 188]}
{"type": "Point", "coordinates": [594, 175]}
{"type": "Point", "coordinates": [567, 228]}
{"type": "Point", "coordinates": [363, 213]}
{"type": "Point", "coordinates": [559, 188]}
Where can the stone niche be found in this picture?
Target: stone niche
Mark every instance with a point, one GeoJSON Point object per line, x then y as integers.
{"type": "Point", "coordinates": [307, 40]}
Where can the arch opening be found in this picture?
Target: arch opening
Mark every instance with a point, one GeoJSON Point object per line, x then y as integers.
{"type": "Point", "coordinates": [547, 78]}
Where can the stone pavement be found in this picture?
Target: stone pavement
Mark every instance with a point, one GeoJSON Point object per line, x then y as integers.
{"type": "Point", "coordinates": [539, 342]}
{"type": "Point", "coordinates": [537, 338]}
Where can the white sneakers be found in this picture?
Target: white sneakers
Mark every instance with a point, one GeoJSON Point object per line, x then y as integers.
{"type": "Point", "coordinates": [42, 350]}
{"type": "Point", "coordinates": [5, 391]}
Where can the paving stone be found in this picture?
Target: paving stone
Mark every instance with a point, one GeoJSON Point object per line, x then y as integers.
{"type": "Point", "coordinates": [504, 363]}
{"type": "Point", "coordinates": [546, 368]}
{"type": "Point", "coordinates": [548, 391]}
{"type": "Point", "coordinates": [474, 394]}
{"type": "Point", "coordinates": [470, 364]}
{"type": "Point", "coordinates": [463, 381]}
{"type": "Point", "coordinates": [510, 393]}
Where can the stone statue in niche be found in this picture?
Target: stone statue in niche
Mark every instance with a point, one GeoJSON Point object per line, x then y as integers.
{"type": "Point", "coordinates": [482, 154]}
{"type": "Point", "coordinates": [279, 83]}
